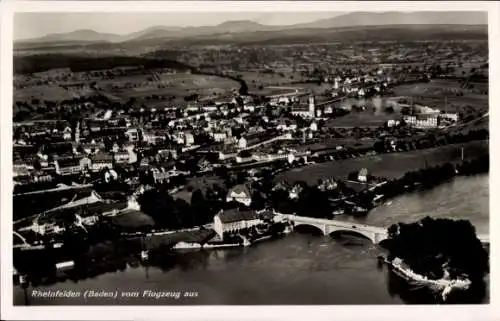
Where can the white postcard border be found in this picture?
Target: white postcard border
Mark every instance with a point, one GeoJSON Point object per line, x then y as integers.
{"type": "Point", "coordinates": [354, 312]}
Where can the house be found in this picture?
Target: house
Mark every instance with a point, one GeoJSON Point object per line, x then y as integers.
{"type": "Point", "coordinates": [188, 139]}
{"type": "Point", "coordinates": [85, 164]}
{"type": "Point", "coordinates": [21, 167]}
{"type": "Point", "coordinates": [101, 161]}
{"type": "Point", "coordinates": [363, 175]}
{"type": "Point", "coordinates": [68, 166]}
{"type": "Point", "coordinates": [239, 193]}
{"type": "Point", "coordinates": [153, 137]}
{"type": "Point", "coordinates": [392, 123]}
{"type": "Point", "coordinates": [450, 116]}
{"type": "Point", "coordinates": [286, 124]}
{"type": "Point", "coordinates": [132, 134]}
{"type": "Point", "coordinates": [67, 133]}
{"type": "Point", "coordinates": [242, 143]}
{"type": "Point", "coordinates": [121, 157]}
{"type": "Point", "coordinates": [235, 220]}
{"type": "Point", "coordinates": [160, 175]}
{"type": "Point", "coordinates": [295, 191]}
{"type": "Point", "coordinates": [93, 147]}
{"type": "Point", "coordinates": [168, 152]}
{"type": "Point", "coordinates": [219, 136]}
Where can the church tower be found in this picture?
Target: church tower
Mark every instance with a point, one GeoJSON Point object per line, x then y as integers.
{"type": "Point", "coordinates": [312, 106]}
{"type": "Point", "coordinates": [77, 132]}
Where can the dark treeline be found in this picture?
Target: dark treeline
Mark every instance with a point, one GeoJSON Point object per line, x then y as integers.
{"type": "Point", "coordinates": [171, 213]}
{"type": "Point", "coordinates": [433, 140]}
{"type": "Point", "coordinates": [432, 176]}
{"type": "Point", "coordinates": [432, 246]}
{"type": "Point", "coordinates": [40, 63]}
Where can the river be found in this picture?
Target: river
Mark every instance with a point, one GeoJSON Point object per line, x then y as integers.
{"type": "Point", "coordinates": [294, 270]}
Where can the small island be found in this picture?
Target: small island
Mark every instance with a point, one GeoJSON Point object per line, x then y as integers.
{"type": "Point", "coordinates": [442, 255]}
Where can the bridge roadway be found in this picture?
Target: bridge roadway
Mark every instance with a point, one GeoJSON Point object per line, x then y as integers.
{"type": "Point", "coordinates": [374, 233]}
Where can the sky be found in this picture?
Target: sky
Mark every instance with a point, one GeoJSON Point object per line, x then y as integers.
{"type": "Point", "coordinates": [34, 25]}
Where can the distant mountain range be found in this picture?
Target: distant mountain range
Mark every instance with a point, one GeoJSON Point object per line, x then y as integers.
{"type": "Point", "coordinates": [356, 19]}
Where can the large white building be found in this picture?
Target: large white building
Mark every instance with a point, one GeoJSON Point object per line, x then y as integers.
{"type": "Point", "coordinates": [422, 122]}
{"type": "Point", "coordinates": [235, 220]}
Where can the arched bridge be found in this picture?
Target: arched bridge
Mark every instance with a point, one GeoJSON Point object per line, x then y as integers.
{"type": "Point", "coordinates": [374, 233]}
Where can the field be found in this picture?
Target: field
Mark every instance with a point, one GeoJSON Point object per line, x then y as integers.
{"type": "Point", "coordinates": [255, 78]}
{"type": "Point", "coordinates": [433, 94]}
{"type": "Point", "coordinates": [387, 165]}
{"type": "Point", "coordinates": [330, 143]}
{"type": "Point", "coordinates": [142, 87]}
{"type": "Point", "coordinates": [46, 92]}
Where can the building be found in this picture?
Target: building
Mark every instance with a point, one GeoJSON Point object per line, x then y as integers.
{"type": "Point", "coordinates": [219, 136]}
{"type": "Point", "coordinates": [239, 193]}
{"type": "Point", "coordinates": [153, 137]}
{"type": "Point", "coordinates": [188, 139]}
{"type": "Point", "coordinates": [93, 147]}
{"type": "Point", "coordinates": [234, 220]}
{"type": "Point", "coordinates": [67, 133]}
{"type": "Point", "coordinates": [449, 116]}
{"type": "Point", "coordinates": [363, 175]}
{"type": "Point", "coordinates": [101, 161]}
{"type": "Point", "coordinates": [305, 110]}
{"type": "Point", "coordinates": [160, 175]}
{"type": "Point", "coordinates": [121, 157]}
{"type": "Point", "coordinates": [85, 164]}
{"type": "Point", "coordinates": [132, 134]}
{"type": "Point", "coordinates": [242, 143]}
{"type": "Point", "coordinates": [286, 124]}
{"type": "Point", "coordinates": [392, 123]}
{"type": "Point", "coordinates": [68, 166]}
{"type": "Point", "coordinates": [422, 121]}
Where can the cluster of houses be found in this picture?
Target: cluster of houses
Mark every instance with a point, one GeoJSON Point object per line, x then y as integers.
{"type": "Point", "coordinates": [426, 121]}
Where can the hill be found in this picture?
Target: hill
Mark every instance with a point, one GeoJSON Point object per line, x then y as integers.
{"type": "Point", "coordinates": [400, 18]}
{"type": "Point", "coordinates": [356, 19]}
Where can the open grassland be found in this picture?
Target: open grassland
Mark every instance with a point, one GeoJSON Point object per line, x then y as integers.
{"type": "Point", "coordinates": [433, 94]}
{"type": "Point", "coordinates": [386, 165]}
{"type": "Point", "coordinates": [174, 86]}
{"type": "Point", "coordinates": [269, 79]}
{"type": "Point", "coordinates": [48, 92]}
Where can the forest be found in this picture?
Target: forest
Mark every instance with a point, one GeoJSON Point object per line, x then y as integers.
{"type": "Point", "coordinates": [431, 246]}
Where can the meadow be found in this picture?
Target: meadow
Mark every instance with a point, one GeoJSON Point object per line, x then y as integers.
{"type": "Point", "coordinates": [433, 94]}
{"type": "Point", "coordinates": [392, 165]}
{"type": "Point", "coordinates": [175, 86]}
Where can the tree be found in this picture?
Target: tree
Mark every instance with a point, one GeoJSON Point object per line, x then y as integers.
{"type": "Point", "coordinates": [200, 208]}
{"type": "Point", "coordinates": [432, 246]}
